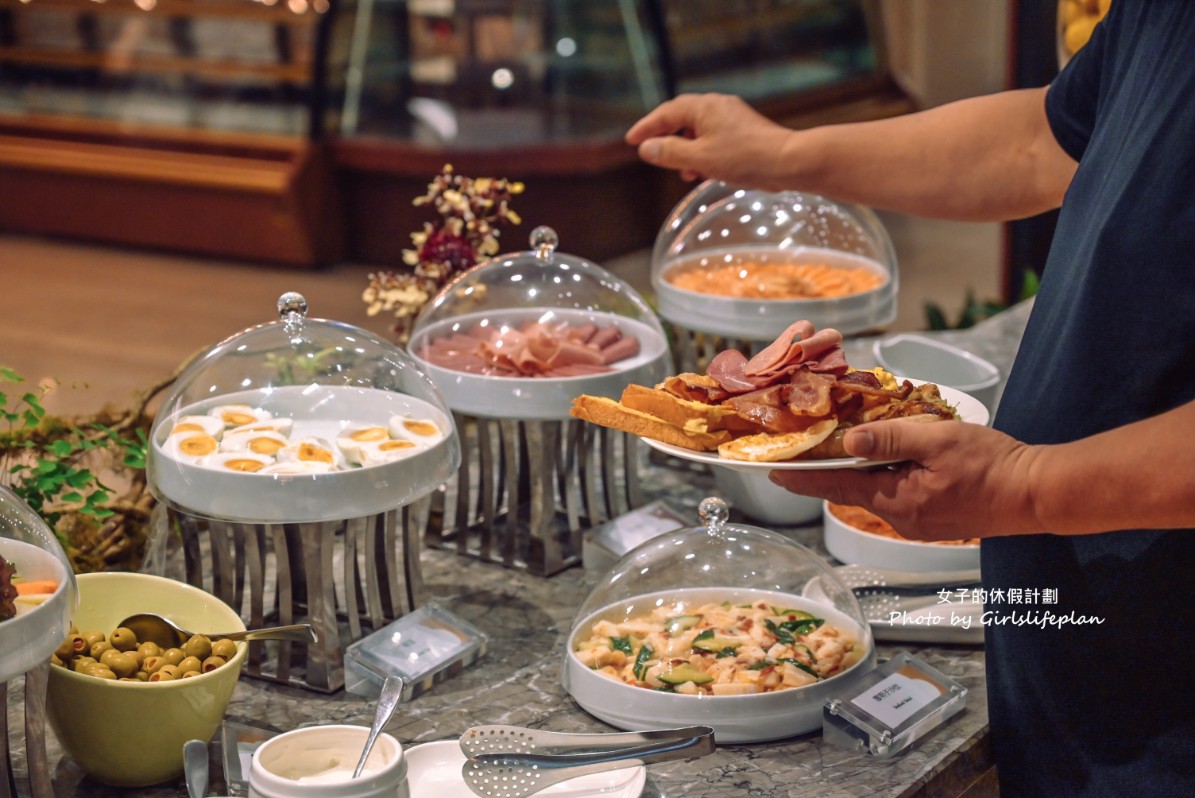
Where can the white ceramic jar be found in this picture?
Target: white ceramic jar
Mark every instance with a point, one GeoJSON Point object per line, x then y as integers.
{"type": "Point", "coordinates": [318, 762]}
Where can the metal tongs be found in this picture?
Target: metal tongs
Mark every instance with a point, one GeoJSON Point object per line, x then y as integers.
{"type": "Point", "coordinates": [514, 762]}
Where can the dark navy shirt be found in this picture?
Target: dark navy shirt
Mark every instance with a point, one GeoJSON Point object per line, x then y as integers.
{"type": "Point", "coordinates": [1106, 708]}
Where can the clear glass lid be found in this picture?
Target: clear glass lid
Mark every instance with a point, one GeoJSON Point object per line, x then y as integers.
{"type": "Point", "coordinates": [300, 420]}
{"type": "Point", "coordinates": [522, 335]}
{"type": "Point", "coordinates": [37, 588]}
{"type": "Point", "coordinates": [715, 562]}
{"type": "Point", "coordinates": [748, 263]}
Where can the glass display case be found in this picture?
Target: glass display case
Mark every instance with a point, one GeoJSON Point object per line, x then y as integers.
{"type": "Point", "coordinates": [228, 65]}
{"type": "Point", "coordinates": [470, 74]}
{"type": "Point", "coordinates": [299, 131]}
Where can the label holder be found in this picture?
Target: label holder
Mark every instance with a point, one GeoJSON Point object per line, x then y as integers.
{"type": "Point", "coordinates": [895, 705]}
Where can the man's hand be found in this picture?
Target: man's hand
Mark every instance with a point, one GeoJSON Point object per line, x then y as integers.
{"type": "Point", "coordinates": [955, 481]}
{"type": "Point", "coordinates": [712, 135]}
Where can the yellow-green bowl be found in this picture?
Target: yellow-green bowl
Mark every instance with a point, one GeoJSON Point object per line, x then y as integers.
{"type": "Point", "coordinates": [131, 734]}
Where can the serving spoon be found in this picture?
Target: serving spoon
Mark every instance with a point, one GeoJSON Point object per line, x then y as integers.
{"type": "Point", "coordinates": [154, 628]}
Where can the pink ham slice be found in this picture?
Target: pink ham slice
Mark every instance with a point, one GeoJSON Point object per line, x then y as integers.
{"type": "Point", "coordinates": [798, 344]}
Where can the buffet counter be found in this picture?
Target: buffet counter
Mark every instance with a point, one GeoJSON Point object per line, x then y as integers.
{"type": "Point", "coordinates": [518, 680]}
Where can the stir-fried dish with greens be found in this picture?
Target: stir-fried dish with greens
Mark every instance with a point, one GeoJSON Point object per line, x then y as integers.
{"type": "Point", "coordinates": [720, 649]}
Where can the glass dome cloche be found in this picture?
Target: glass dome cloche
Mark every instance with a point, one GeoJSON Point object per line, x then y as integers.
{"type": "Point", "coordinates": [34, 621]}
{"type": "Point", "coordinates": [723, 625]}
{"type": "Point", "coordinates": [747, 263]}
{"type": "Point", "coordinates": [523, 334]}
{"type": "Point", "coordinates": [300, 420]}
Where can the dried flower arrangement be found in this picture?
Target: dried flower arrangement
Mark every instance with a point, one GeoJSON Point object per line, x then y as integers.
{"type": "Point", "coordinates": [472, 213]}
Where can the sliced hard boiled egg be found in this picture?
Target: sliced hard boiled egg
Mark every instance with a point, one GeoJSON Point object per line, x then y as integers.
{"type": "Point", "coordinates": [238, 415]}
{"type": "Point", "coordinates": [191, 447]}
{"type": "Point", "coordinates": [252, 439]}
{"type": "Point", "coordinates": [279, 425]}
{"type": "Point", "coordinates": [308, 449]}
{"type": "Point", "coordinates": [352, 439]}
{"type": "Point", "coordinates": [387, 451]}
{"type": "Point", "coordinates": [415, 429]}
{"type": "Point", "coordinates": [205, 424]}
{"type": "Point", "coordinates": [244, 462]}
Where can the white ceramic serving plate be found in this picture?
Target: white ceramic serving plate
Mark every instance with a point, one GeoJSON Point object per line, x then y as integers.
{"type": "Point", "coordinates": [544, 398]}
{"type": "Point", "coordinates": [940, 362]}
{"type": "Point", "coordinates": [30, 638]}
{"type": "Point", "coordinates": [293, 498]}
{"type": "Point", "coordinates": [764, 319]}
{"type": "Point", "coordinates": [970, 410]}
{"type": "Point", "coordinates": [734, 719]}
{"type": "Point", "coordinates": [852, 545]}
{"type": "Point", "coordinates": [434, 771]}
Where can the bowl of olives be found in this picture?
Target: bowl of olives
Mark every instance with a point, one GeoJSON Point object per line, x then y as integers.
{"type": "Point", "coordinates": [102, 679]}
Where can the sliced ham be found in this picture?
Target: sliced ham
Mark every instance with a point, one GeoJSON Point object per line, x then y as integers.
{"type": "Point", "coordinates": [797, 344]}
{"type": "Point", "coordinates": [621, 349]}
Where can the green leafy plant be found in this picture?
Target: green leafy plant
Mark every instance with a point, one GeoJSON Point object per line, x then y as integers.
{"type": "Point", "coordinates": [44, 460]}
{"type": "Point", "coordinates": [975, 311]}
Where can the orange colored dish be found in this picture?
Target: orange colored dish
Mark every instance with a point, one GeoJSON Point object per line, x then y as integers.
{"type": "Point", "coordinates": [760, 279]}
{"type": "Point", "coordinates": [869, 522]}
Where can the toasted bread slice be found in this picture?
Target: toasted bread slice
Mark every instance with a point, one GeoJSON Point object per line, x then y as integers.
{"type": "Point", "coordinates": [679, 412]}
{"type": "Point", "coordinates": [770, 448]}
{"type": "Point", "coordinates": [606, 412]}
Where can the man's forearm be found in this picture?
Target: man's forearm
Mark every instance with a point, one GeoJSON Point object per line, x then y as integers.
{"type": "Point", "coordinates": [989, 158]}
{"type": "Point", "coordinates": [1137, 476]}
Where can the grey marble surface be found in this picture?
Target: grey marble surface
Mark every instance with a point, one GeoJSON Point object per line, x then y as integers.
{"type": "Point", "coordinates": [517, 682]}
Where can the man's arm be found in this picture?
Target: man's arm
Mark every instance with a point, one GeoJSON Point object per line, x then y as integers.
{"type": "Point", "coordinates": [964, 480]}
{"type": "Point", "coordinates": [985, 158]}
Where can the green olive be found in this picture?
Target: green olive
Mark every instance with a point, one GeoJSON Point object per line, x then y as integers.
{"type": "Point", "coordinates": [56, 660]}
{"type": "Point", "coordinates": [149, 649]}
{"type": "Point", "coordinates": [190, 675]}
{"type": "Point", "coordinates": [65, 650]}
{"type": "Point", "coordinates": [123, 639]}
{"type": "Point", "coordinates": [224, 648]}
{"type": "Point", "coordinates": [198, 646]}
{"type": "Point", "coordinates": [211, 663]}
{"type": "Point", "coordinates": [100, 672]}
{"type": "Point", "coordinates": [92, 638]}
{"type": "Point", "coordinates": [79, 645]}
{"type": "Point", "coordinates": [79, 664]}
{"type": "Point", "coordinates": [98, 649]}
{"type": "Point", "coordinates": [173, 656]}
{"type": "Point", "coordinates": [141, 676]}
{"type": "Point", "coordinates": [189, 664]}
{"type": "Point", "coordinates": [166, 673]}
{"type": "Point", "coordinates": [120, 663]}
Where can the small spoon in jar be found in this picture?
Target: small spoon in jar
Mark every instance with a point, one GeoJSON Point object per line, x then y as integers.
{"type": "Point", "coordinates": [150, 627]}
{"type": "Point", "coordinates": [390, 696]}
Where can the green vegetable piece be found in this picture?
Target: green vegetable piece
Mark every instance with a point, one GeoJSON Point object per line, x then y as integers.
{"type": "Point", "coordinates": [681, 623]}
{"type": "Point", "coordinates": [640, 666]}
{"type": "Point", "coordinates": [622, 644]}
{"type": "Point", "coordinates": [685, 672]}
{"type": "Point", "coordinates": [802, 666]}
{"type": "Point", "coordinates": [709, 641]}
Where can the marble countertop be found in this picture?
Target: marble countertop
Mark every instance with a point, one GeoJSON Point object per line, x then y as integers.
{"type": "Point", "coordinates": [518, 682]}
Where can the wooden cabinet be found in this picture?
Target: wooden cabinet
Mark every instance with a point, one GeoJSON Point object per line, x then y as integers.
{"type": "Point", "coordinates": [181, 124]}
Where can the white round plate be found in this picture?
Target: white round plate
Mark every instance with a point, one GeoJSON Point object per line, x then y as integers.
{"type": "Point", "coordinates": [548, 398]}
{"type": "Point", "coordinates": [754, 718]}
{"type": "Point", "coordinates": [434, 771]}
{"type": "Point", "coordinates": [970, 410]}
{"type": "Point", "coordinates": [295, 498]}
{"type": "Point", "coordinates": [30, 638]}
{"type": "Point", "coordinates": [850, 544]}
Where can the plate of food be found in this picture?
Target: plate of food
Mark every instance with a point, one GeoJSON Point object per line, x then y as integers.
{"type": "Point", "coordinates": [788, 407]}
